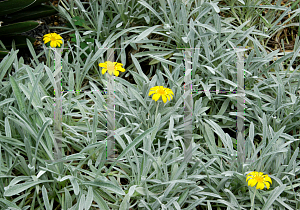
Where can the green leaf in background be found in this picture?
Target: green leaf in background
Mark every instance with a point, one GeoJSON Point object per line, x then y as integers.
{"type": "Point", "coordinates": [90, 40]}
{"type": "Point", "coordinates": [20, 27]}
{"type": "Point", "coordinates": [3, 52]}
{"type": "Point", "coordinates": [7, 7]}
{"type": "Point", "coordinates": [78, 21]}
{"type": "Point", "coordinates": [32, 13]}
{"type": "Point", "coordinates": [73, 39]}
{"type": "Point", "coordinates": [83, 45]}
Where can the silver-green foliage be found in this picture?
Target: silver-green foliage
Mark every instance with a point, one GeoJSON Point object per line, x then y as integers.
{"type": "Point", "coordinates": [150, 172]}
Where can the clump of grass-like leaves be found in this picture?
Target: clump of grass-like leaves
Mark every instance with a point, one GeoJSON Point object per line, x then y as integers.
{"type": "Point", "coordinates": [149, 171]}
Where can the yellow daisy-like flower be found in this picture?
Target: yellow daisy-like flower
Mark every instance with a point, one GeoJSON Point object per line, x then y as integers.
{"type": "Point", "coordinates": [112, 67]}
{"type": "Point", "coordinates": [161, 91]}
{"type": "Point", "coordinates": [258, 178]}
{"type": "Point", "coordinates": [54, 39]}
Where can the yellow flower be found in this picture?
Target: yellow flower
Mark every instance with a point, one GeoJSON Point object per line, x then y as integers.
{"type": "Point", "coordinates": [112, 67]}
{"type": "Point", "coordinates": [54, 39]}
{"type": "Point", "coordinates": [161, 91]}
{"type": "Point", "coordinates": [261, 180]}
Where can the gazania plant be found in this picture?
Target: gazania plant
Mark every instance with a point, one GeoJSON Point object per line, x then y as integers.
{"type": "Point", "coordinates": [54, 39]}
{"type": "Point", "coordinates": [112, 67]}
{"type": "Point", "coordinates": [160, 91]}
{"type": "Point", "coordinates": [260, 180]}
{"type": "Point", "coordinates": [151, 118]}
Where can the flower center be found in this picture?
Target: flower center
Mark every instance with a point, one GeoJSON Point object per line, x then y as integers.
{"type": "Point", "coordinates": [53, 39]}
{"type": "Point", "coordinates": [162, 92]}
{"type": "Point", "coordinates": [111, 67]}
{"type": "Point", "coordinates": [259, 179]}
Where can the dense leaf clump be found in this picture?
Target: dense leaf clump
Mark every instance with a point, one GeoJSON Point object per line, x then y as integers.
{"type": "Point", "coordinates": [155, 105]}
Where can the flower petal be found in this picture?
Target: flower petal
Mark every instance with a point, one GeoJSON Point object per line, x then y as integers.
{"type": "Point", "coordinates": [249, 177]}
{"type": "Point", "coordinates": [260, 185]}
{"type": "Point", "coordinates": [116, 73]}
{"type": "Point", "coordinates": [267, 185]}
{"type": "Point", "coordinates": [110, 66]}
{"type": "Point", "coordinates": [164, 98]}
{"type": "Point", "coordinates": [52, 44]}
{"type": "Point", "coordinates": [47, 35]}
{"type": "Point", "coordinates": [58, 36]}
{"type": "Point", "coordinates": [156, 97]}
{"type": "Point", "coordinates": [110, 71]}
{"type": "Point", "coordinates": [170, 91]}
{"type": "Point", "coordinates": [154, 88]}
{"type": "Point", "coordinates": [151, 92]}
{"type": "Point", "coordinates": [103, 65]}
{"type": "Point", "coordinates": [120, 69]}
{"type": "Point", "coordinates": [168, 97]}
{"type": "Point", "coordinates": [268, 179]}
{"type": "Point", "coordinates": [252, 182]}
{"type": "Point", "coordinates": [46, 40]}
{"type": "Point", "coordinates": [109, 63]}
{"type": "Point", "coordinates": [104, 70]}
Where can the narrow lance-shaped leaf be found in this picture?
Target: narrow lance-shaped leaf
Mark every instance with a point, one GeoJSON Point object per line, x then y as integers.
{"type": "Point", "coordinates": [14, 190]}
{"type": "Point", "coordinates": [17, 93]}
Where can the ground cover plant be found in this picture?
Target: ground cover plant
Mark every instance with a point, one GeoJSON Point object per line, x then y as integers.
{"type": "Point", "coordinates": [151, 42]}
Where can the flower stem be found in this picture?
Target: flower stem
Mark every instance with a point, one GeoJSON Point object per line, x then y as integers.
{"type": "Point", "coordinates": [49, 59]}
{"type": "Point", "coordinates": [156, 111]}
{"type": "Point", "coordinates": [252, 203]}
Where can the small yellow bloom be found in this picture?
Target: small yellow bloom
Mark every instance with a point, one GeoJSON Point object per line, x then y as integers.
{"type": "Point", "coordinates": [261, 180]}
{"type": "Point", "coordinates": [54, 39]}
{"type": "Point", "coordinates": [161, 91]}
{"type": "Point", "coordinates": [112, 67]}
